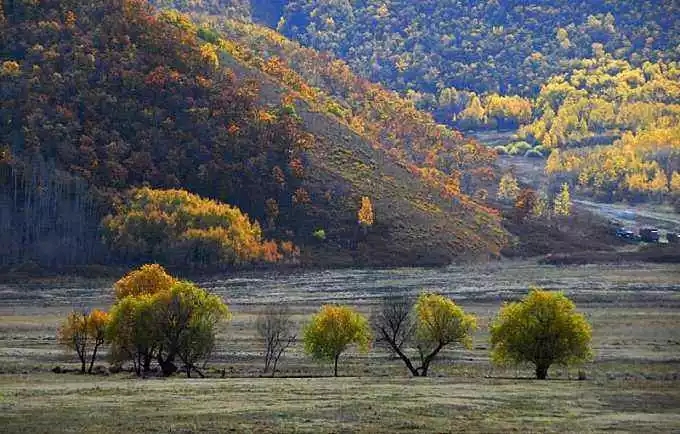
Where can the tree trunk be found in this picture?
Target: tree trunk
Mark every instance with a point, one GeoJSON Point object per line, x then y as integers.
{"type": "Point", "coordinates": [405, 359]}
{"type": "Point", "coordinates": [335, 370]}
{"type": "Point", "coordinates": [542, 371]}
{"type": "Point", "coordinates": [147, 363]}
{"type": "Point", "coordinates": [82, 365]}
{"type": "Point", "coordinates": [94, 355]}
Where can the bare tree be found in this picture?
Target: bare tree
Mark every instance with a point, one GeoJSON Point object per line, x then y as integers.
{"type": "Point", "coordinates": [394, 327]}
{"type": "Point", "coordinates": [276, 327]}
{"type": "Point", "coordinates": [428, 325]}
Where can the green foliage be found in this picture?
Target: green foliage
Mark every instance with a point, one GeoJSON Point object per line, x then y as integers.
{"type": "Point", "coordinates": [542, 329]}
{"type": "Point", "coordinates": [428, 325]}
{"type": "Point", "coordinates": [332, 330]}
{"type": "Point", "coordinates": [319, 234]}
{"type": "Point", "coordinates": [484, 46]}
{"type": "Point", "coordinates": [175, 322]}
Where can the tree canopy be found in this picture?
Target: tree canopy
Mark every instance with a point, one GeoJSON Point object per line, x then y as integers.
{"type": "Point", "coordinates": [542, 329]}
{"type": "Point", "coordinates": [332, 330]}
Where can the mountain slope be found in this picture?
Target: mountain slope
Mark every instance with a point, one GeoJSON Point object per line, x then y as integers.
{"type": "Point", "coordinates": [108, 96]}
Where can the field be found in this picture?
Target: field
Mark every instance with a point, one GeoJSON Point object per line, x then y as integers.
{"type": "Point", "coordinates": [633, 384]}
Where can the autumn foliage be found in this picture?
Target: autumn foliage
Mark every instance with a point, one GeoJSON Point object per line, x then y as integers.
{"type": "Point", "coordinates": [161, 319]}
{"type": "Point", "coordinates": [542, 329]}
{"type": "Point", "coordinates": [427, 326]}
{"type": "Point", "coordinates": [84, 333]}
{"type": "Point", "coordinates": [183, 229]}
{"type": "Point", "coordinates": [332, 330]}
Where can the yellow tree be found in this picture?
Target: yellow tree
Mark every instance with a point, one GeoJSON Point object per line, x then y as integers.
{"type": "Point", "coordinates": [332, 330]}
{"type": "Point", "coordinates": [148, 279]}
{"type": "Point", "coordinates": [675, 184]}
{"type": "Point", "coordinates": [84, 333]}
{"type": "Point", "coordinates": [562, 203]}
{"type": "Point", "coordinates": [427, 326]}
{"type": "Point", "coordinates": [365, 214]}
{"type": "Point", "coordinates": [508, 188]}
{"type": "Point", "coordinates": [541, 329]}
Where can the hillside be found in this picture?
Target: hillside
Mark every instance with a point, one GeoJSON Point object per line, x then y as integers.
{"type": "Point", "coordinates": [503, 46]}
{"type": "Point", "coordinates": [105, 96]}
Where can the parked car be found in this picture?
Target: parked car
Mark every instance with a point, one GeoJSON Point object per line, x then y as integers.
{"type": "Point", "coordinates": [626, 234]}
{"type": "Point", "coordinates": [673, 238]}
{"type": "Point", "coordinates": [649, 235]}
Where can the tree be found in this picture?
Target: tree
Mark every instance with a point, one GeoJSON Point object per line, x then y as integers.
{"type": "Point", "coordinates": [508, 188]}
{"type": "Point", "coordinates": [162, 318]}
{"type": "Point", "coordinates": [84, 333]}
{"type": "Point", "coordinates": [186, 318]}
{"type": "Point", "coordinates": [365, 214]}
{"type": "Point", "coordinates": [149, 279]}
{"type": "Point", "coordinates": [525, 204]}
{"type": "Point", "coordinates": [332, 330]}
{"type": "Point", "coordinates": [430, 324]}
{"type": "Point", "coordinates": [562, 203]}
{"type": "Point", "coordinates": [275, 326]}
{"type": "Point", "coordinates": [183, 229]}
{"type": "Point", "coordinates": [543, 328]}
{"type": "Point", "coordinates": [132, 332]}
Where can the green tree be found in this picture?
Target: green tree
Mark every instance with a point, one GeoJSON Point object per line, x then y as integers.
{"type": "Point", "coordinates": [186, 317]}
{"type": "Point", "coordinates": [541, 329]}
{"type": "Point", "coordinates": [164, 323]}
{"type": "Point", "coordinates": [428, 325]}
{"type": "Point", "coordinates": [133, 333]}
{"type": "Point", "coordinates": [332, 330]}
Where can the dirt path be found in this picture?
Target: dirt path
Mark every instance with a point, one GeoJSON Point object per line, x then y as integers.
{"type": "Point", "coordinates": [634, 217]}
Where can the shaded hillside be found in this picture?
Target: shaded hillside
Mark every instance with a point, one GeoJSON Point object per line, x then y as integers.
{"type": "Point", "coordinates": [108, 96]}
{"type": "Point", "coordinates": [505, 46]}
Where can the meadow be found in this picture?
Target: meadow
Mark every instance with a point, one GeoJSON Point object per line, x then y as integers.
{"type": "Point", "coordinates": [631, 385]}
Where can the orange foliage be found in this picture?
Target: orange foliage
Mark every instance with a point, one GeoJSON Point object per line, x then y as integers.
{"type": "Point", "coordinates": [147, 280]}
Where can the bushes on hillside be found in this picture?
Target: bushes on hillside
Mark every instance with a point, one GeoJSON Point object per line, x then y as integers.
{"type": "Point", "coordinates": [182, 229]}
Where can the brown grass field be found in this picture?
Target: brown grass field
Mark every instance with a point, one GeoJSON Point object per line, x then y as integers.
{"type": "Point", "coordinates": [632, 385]}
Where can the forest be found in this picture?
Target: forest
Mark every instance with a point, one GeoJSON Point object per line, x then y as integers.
{"type": "Point", "coordinates": [105, 97]}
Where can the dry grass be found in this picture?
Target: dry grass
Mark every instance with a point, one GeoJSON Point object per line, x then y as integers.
{"type": "Point", "coordinates": [633, 383]}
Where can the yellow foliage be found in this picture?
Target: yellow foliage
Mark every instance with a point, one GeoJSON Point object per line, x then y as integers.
{"type": "Point", "coordinates": [562, 203]}
{"type": "Point", "coordinates": [333, 329]}
{"type": "Point", "coordinates": [209, 54]}
{"type": "Point", "coordinates": [10, 67]}
{"type": "Point", "coordinates": [147, 280]}
{"type": "Point", "coordinates": [675, 183]}
{"type": "Point", "coordinates": [542, 329]}
{"type": "Point", "coordinates": [440, 321]}
{"type": "Point", "coordinates": [84, 333]}
{"type": "Point", "coordinates": [365, 214]}
{"type": "Point", "coordinates": [174, 225]}
{"type": "Point", "coordinates": [508, 188]}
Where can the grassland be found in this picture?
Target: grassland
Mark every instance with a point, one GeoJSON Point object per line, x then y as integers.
{"type": "Point", "coordinates": [632, 384]}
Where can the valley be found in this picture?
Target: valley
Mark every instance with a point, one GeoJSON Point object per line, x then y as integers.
{"type": "Point", "coordinates": [632, 383]}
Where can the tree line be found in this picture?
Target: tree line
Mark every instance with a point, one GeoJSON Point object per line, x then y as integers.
{"type": "Point", "coordinates": [159, 321]}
